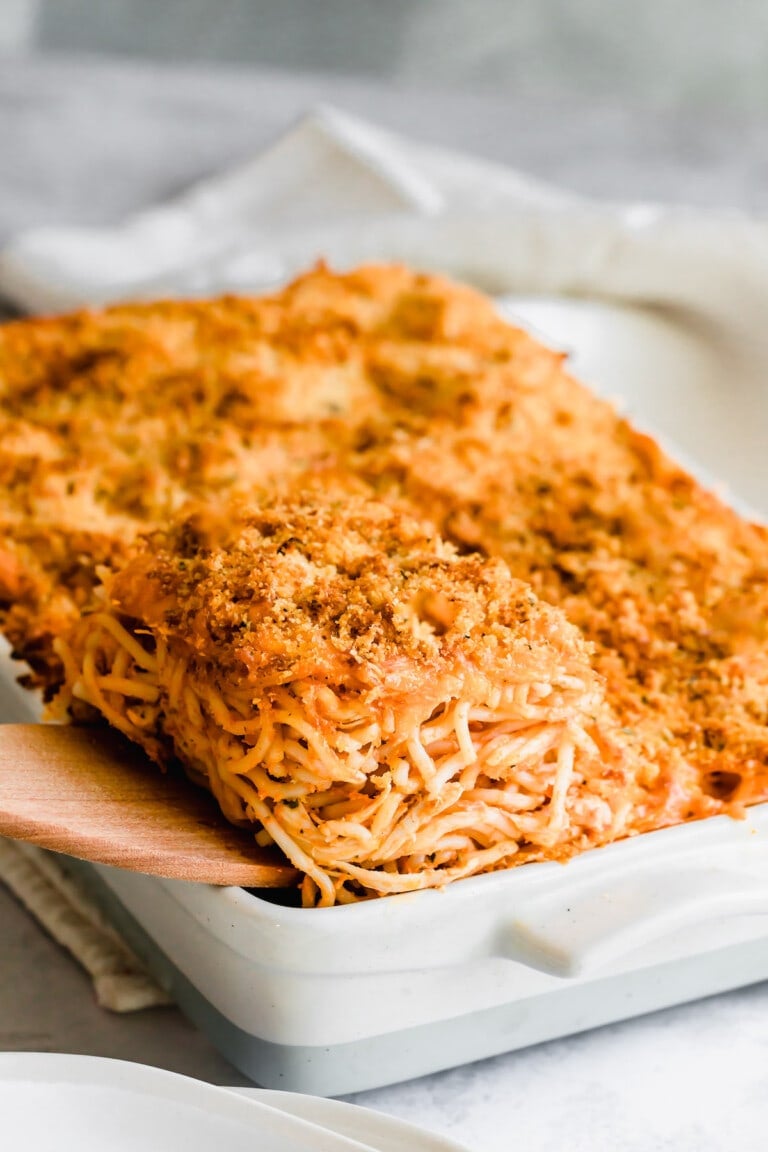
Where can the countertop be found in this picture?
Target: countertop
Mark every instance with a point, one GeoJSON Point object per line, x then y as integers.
{"type": "Point", "coordinates": [87, 140]}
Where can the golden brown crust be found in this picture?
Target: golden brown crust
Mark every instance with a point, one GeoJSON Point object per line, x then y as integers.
{"type": "Point", "coordinates": [668, 583]}
{"type": "Point", "coordinates": [346, 590]}
{"type": "Point", "coordinates": [110, 421]}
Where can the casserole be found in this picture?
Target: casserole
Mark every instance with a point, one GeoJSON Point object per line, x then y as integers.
{"type": "Point", "coordinates": [347, 998]}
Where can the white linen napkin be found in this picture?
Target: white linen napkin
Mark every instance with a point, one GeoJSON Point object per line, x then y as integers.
{"type": "Point", "coordinates": [57, 901]}
{"type": "Point", "coordinates": [337, 188]}
{"type": "Point", "coordinates": [329, 171]}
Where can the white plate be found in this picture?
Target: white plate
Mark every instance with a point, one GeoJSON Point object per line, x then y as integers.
{"type": "Point", "coordinates": [60, 1103]}
{"type": "Point", "coordinates": [384, 1133]}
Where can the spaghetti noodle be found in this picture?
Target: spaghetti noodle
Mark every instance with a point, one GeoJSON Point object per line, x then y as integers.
{"type": "Point", "coordinates": [392, 715]}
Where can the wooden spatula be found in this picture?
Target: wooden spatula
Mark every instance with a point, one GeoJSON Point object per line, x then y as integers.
{"type": "Point", "coordinates": [88, 792]}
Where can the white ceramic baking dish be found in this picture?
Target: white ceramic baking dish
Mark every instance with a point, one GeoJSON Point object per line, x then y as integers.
{"type": "Point", "coordinates": [343, 999]}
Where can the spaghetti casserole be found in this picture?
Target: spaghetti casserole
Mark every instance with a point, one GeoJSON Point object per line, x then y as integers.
{"type": "Point", "coordinates": [381, 574]}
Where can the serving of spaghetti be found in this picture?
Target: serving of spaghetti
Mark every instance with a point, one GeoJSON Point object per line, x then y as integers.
{"type": "Point", "coordinates": [393, 715]}
{"type": "Point", "coordinates": [377, 571]}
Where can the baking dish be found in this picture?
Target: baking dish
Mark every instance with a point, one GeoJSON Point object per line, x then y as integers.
{"type": "Point", "coordinates": [343, 999]}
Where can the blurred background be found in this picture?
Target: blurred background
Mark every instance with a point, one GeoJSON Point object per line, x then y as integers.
{"type": "Point", "coordinates": [658, 54]}
{"type": "Point", "coordinates": [107, 105]}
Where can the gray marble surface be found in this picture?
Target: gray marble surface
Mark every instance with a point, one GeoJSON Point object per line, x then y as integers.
{"type": "Point", "coordinates": [88, 141]}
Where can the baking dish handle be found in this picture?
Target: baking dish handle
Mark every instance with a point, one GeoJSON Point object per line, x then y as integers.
{"type": "Point", "coordinates": [584, 929]}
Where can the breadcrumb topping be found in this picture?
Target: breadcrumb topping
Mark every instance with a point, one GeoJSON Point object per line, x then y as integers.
{"type": "Point", "coordinates": [347, 589]}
